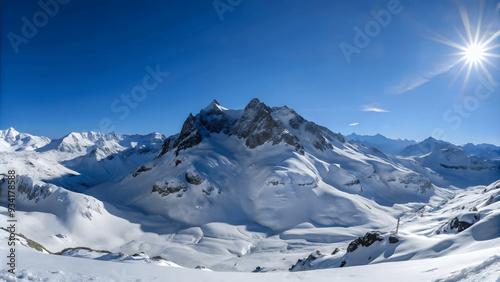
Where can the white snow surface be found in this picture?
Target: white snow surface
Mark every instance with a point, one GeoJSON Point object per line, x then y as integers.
{"type": "Point", "coordinates": [130, 214]}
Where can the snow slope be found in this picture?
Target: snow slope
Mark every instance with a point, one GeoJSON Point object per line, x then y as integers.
{"type": "Point", "coordinates": [433, 230]}
{"type": "Point", "coordinates": [479, 265]}
{"type": "Point", "coordinates": [270, 167]}
{"type": "Point", "coordinates": [249, 190]}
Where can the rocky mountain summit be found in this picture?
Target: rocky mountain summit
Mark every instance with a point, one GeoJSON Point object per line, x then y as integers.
{"type": "Point", "coordinates": [257, 124]}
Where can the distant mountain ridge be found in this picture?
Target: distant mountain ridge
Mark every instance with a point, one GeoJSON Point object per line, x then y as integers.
{"type": "Point", "coordinates": [81, 160]}
{"type": "Point", "coordinates": [461, 165]}
{"type": "Point", "coordinates": [11, 140]}
{"type": "Point", "coordinates": [405, 147]}
{"type": "Point", "coordinates": [382, 143]}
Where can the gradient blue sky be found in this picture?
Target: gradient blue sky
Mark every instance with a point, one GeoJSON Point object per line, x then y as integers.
{"type": "Point", "coordinates": [66, 77]}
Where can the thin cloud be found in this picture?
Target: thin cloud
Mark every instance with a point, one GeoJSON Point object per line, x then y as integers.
{"type": "Point", "coordinates": [421, 79]}
{"type": "Point", "coordinates": [368, 108]}
{"type": "Point", "coordinates": [353, 124]}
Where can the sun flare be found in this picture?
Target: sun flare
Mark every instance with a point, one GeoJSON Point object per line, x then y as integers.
{"type": "Point", "coordinates": [474, 54]}
{"type": "Point", "coordinates": [475, 49]}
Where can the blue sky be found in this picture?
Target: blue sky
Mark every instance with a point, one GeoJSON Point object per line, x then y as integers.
{"type": "Point", "coordinates": [71, 73]}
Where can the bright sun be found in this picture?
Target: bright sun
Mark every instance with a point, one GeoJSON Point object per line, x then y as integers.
{"type": "Point", "coordinates": [475, 49]}
{"type": "Point", "coordinates": [474, 54]}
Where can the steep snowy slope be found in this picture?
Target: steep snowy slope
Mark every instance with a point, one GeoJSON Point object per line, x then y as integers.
{"type": "Point", "coordinates": [58, 218]}
{"type": "Point", "coordinates": [264, 165]}
{"type": "Point", "coordinates": [466, 221]}
{"type": "Point", "coordinates": [11, 140]}
{"type": "Point", "coordinates": [382, 143]}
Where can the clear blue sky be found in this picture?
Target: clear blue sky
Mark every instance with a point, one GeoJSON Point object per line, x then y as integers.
{"type": "Point", "coordinates": [67, 76]}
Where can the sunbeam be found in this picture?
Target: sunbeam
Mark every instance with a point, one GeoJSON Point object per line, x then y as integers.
{"type": "Point", "coordinates": [475, 49]}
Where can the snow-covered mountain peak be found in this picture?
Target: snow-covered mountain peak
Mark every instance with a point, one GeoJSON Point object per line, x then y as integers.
{"type": "Point", "coordinates": [9, 134]}
{"type": "Point", "coordinates": [214, 106]}
{"type": "Point", "coordinates": [424, 147]}
{"type": "Point", "coordinates": [12, 140]}
{"type": "Point", "coordinates": [256, 124]}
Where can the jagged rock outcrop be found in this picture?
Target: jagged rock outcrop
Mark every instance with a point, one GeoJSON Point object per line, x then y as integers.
{"type": "Point", "coordinates": [192, 177]}
{"type": "Point", "coordinates": [257, 124]}
{"type": "Point", "coordinates": [459, 223]}
{"type": "Point", "coordinates": [305, 262]}
{"type": "Point", "coordinates": [169, 187]}
{"type": "Point", "coordinates": [190, 135]}
{"type": "Point", "coordinates": [33, 191]}
{"type": "Point", "coordinates": [367, 240]}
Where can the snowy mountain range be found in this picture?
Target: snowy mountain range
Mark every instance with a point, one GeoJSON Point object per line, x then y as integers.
{"type": "Point", "coordinates": [382, 143]}
{"type": "Point", "coordinates": [256, 189]}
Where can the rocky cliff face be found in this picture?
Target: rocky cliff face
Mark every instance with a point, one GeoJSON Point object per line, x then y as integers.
{"type": "Point", "coordinates": [257, 124]}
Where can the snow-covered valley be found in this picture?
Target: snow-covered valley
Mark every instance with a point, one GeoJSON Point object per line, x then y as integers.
{"type": "Point", "coordinates": [254, 194]}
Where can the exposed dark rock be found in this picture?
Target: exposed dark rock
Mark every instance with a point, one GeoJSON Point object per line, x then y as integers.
{"type": "Point", "coordinates": [297, 120]}
{"type": "Point", "coordinates": [354, 182]}
{"type": "Point", "coordinates": [257, 269]}
{"type": "Point", "coordinates": [141, 169]}
{"type": "Point", "coordinates": [215, 120]}
{"type": "Point", "coordinates": [159, 258]}
{"type": "Point", "coordinates": [33, 191]}
{"type": "Point", "coordinates": [194, 178]}
{"type": "Point", "coordinates": [367, 240]}
{"type": "Point", "coordinates": [332, 136]}
{"type": "Point", "coordinates": [275, 182]}
{"type": "Point", "coordinates": [321, 142]}
{"type": "Point", "coordinates": [167, 145]}
{"type": "Point", "coordinates": [257, 125]}
{"type": "Point", "coordinates": [393, 239]}
{"type": "Point", "coordinates": [454, 166]}
{"type": "Point", "coordinates": [167, 188]}
{"type": "Point", "coordinates": [335, 251]}
{"type": "Point", "coordinates": [190, 135]}
{"type": "Point", "coordinates": [460, 223]}
{"type": "Point", "coordinates": [305, 262]}
{"type": "Point", "coordinates": [209, 190]}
